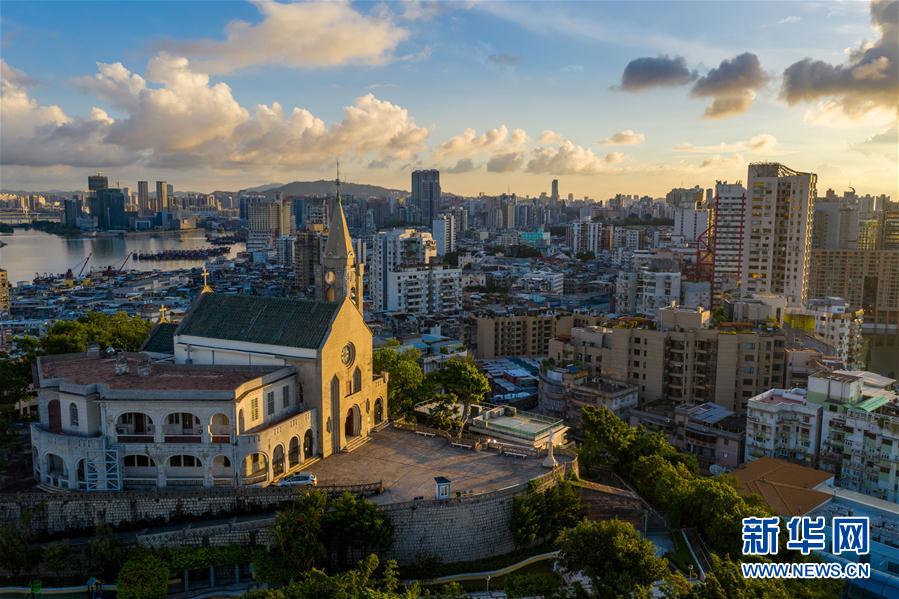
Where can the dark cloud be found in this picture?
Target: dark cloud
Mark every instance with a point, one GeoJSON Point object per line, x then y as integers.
{"type": "Point", "coordinates": [505, 60]}
{"type": "Point", "coordinates": [506, 162]}
{"type": "Point", "coordinates": [645, 73]}
{"type": "Point", "coordinates": [870, 79]}
{"type": "Point", "coordinates": [731, 85]}
{"type": "Point", "coordinates": [464, 165]}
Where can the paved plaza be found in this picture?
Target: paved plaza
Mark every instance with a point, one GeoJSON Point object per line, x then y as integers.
{"type": "Point", "coordinates": [407, 464]}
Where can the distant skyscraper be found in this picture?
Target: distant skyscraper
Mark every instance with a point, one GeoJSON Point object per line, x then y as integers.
{"type": "Point", "coordinates": [778, 238]}
{"type": "Point", "coordinates": [72, 211]}
{"type": "Point", "coordinates": [108, 207]}
{"type": "Point", "coordinates": [426, 193]}
{"type": "Point", "coordinates": [4, 291]}
{"type": "Point", "coordinates": [443, 229]}
{"type": "Point", "coordinates": [554, 196]}
{"type": "Point", "coordinates": [98, 181]}
{"type": "Point", "coordinates": [162, 197]}
{"type": "Point", "coordinates": [143, 197]}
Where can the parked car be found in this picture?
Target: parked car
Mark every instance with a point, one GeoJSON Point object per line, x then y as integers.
{"type": "Point", "coordinates": [298, 480]}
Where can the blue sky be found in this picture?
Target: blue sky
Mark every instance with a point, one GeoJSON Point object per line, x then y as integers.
{"type": "Point", "coordinates": [434, 71]}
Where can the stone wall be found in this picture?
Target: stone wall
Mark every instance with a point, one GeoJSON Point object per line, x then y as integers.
{"type": "Point", "coordinates": [75, 512]}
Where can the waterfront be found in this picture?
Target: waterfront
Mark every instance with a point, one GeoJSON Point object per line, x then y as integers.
{"type": "Point", "coordinates": [30, 252]}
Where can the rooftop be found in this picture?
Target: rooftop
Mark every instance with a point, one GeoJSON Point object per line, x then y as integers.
{"type": "Point", "coordinates": [257, 319]}
{"type": "Point", "coordinates": [408, 464]}
{"type": "Point", "coordinates": [789, 489]}
{"type": "Point", "coordinates": [82, 369]}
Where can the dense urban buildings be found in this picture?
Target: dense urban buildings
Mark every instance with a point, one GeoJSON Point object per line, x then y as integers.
{"type": "Point", "coordinates": [426, 193]}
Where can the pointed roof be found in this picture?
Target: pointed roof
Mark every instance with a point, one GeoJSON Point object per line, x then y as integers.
{"type": "Point", "coordinates": [339, 244]}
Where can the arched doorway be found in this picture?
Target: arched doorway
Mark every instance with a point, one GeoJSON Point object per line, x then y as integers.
{"type": "Point", "coordinates": [134, 427]}
{"type": "Point", "coordinates": [54, 416]}
{"type": "Point", "coordinates": [307, 445]}
{"type": "Point", "coordinates": [379, 411]}
{"type": "Point", "coordinates": [81, 475]}
{"type": "Point", "coordinates": [220, 429]}
{"type": "Point", "coordinates": [254, 469]}
{"type": "Point", "coordinates": [222, 473]}
{"type": "Point", "coordinates": [352, 426]}
{"type": "Point", "coordinates": [278, 461]}
{"type": "Point", "coordinates": [293, 452]}
{"type": "Point", "coordinates": [56, 474]}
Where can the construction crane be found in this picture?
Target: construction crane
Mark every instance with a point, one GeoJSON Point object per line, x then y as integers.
{"type": "Point", "coordinates": [125, 260]}
{"type": "Point", "coordinates": [86, 260]}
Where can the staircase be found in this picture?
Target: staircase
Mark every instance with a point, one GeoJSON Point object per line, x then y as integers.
{"type": "Point", "coordinates": [356, 443]}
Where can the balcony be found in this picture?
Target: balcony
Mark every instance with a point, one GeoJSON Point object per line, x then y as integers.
{"type": "Point", "coordinates": [176, 433]}
{"type": "Point", "coordinates": [133, 434]}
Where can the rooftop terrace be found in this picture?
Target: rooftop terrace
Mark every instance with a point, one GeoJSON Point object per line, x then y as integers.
{"type": "Point", "coordinates": [407, 463]}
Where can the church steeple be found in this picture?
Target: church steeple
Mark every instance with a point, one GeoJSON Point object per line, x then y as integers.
{"type": "Point", "coordinates": [339, 244]}
{"type": "Point", "coordinates": [342, 274]}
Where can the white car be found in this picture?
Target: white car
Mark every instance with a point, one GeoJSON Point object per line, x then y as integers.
{"type": "Point", "coordinates": [300, 479]}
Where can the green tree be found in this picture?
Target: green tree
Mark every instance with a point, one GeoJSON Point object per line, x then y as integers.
{"type": "Point", "coordinates": [15, 377]}
{"type": "Point", "coordinates": [611, 553]}
{"type": "Point", "coordinates": [118, 331]}
{"type": "Point", "coordinates": [358, 583]}
{"type": "Point", "coordinates": [406, 379]}
{"type": "Point", "coordinates": [296, 541]}
{"type": "Point", "coordinates": [58, 556]}
{"type": "Point", "coordinates": [143, 576]}
{"type": "Point", "coordinates": [17, 553]}
{"type": "Point", "coordinates": [444, 413]}
{"type": "Point", "coordinates": [355, 527]}
{"type": "Point", "coordinates": [539, 515]}
{"type": "Point", "coordinates": [104, 556]}
{"type": "Point", "coordinates": [533, 584]}
{"type": "Point", "coordinates": [462, 379]}
{"type": "Point", "coordinates": [606, 437]}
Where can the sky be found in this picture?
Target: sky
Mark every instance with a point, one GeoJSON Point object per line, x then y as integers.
{"type": "Point", "coordinates": [608, 97]}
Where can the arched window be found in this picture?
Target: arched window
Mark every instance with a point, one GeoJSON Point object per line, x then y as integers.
{"type": "Point", "coordinates": [357, 380]}
{"type": "Point", "coordinates": [335, 390]}
{"type": "Point", "coordinates": [73, 415]}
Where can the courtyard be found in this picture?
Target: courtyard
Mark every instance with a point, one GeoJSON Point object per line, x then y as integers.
{"type": "Point", "coordinates": [407, 463]}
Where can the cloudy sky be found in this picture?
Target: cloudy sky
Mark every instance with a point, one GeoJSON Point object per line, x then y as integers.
{"type": "Point", "coordinates": [608, 97]}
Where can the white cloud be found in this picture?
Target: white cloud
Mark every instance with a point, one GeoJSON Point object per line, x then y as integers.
{"type": "Point", "coordinates": [840, 114]}
{"type": "Point", "coordinates": [506, 162]}
{"type": "Point", "coordinates": [299, 35]}
{"type": "Point", "coordinates": [566, 159]}
{"type": "Point", "coordinates": [788, 20]}
{"type": "Point", "coordinates": [549, 137]}
{"type": "Point", "coordinates": [623, 138]}
{"type": "Point", "coordinates": [189, 122]}
{"type": "Point", "coordinates": [469, 144]}
{"type": "Point", "coordinates": [759, 144]}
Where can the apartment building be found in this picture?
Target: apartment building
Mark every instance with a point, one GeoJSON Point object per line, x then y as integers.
{"type": "Point", "coordinates": [846, 422]}
{"type": "Point", "coordinates": [589, 236]}
{"type": "Point", "coordinates": [831, 320]}
{"type": "Point", "coordinates": [778, 233]}
{"type": "Point", "coordinates": [682, 360]}
{"type": "Point", "coordinates": [522, 332]}
{"type": "Point", "coordinates": [728, 224]}
{"type": "Point", "coordinates": [645, 292]}
{"type": "Point", "coordinates": [866, 279]}
{"type": "Point", "coordinates": [565, 391]}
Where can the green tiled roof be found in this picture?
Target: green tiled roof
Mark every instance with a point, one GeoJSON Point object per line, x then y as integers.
{"type": "Point", "coordinates": [161, 339]}
{"type": "Point", "coordinates": [872, 404]}
{"type": "Point", "coordinates": [254, 319]}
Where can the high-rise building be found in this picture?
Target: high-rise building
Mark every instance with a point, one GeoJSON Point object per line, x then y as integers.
{"type": "Point", "coordinates": [307, 253]}
{"type": "Point", "coordinates": [5, 303]}
{"type": "Point", "coordinates": [778, 235]}
{"type": "Point", "coordinates": [866, 279]}
{"type": "Point", "coordinates": [589, 236]}
{"type": "Point", "coordinates": [889, 228]}
{"type": "Point", "coordinates": [71, 211]}
{"type": "Point", "coordinates": [96, 182]}
{"type": "Point", "coordinates": [443, 228]}
{"type": "Point", "coordinates": [690, 223]}
{"type": "Point", "coordinates": [267, 220]}
{"type": "Point", "coordinates": [728, 216]}
{"type": "Point", "coordinates": [554, 195]}
{"type": "Point", "coordinates": [426, 193]}
{"type": "Point", "coordinates": [108, 207]}
{"type": "Point", "coordinates": [143, 197]}
{"type": "Point", "coordinates": [162, 197]}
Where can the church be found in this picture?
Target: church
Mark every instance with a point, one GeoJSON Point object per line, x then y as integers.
{"type": "Point", "coordinates": [244, 391]}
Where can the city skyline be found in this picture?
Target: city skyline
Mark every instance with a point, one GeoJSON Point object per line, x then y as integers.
{"type": "Point", "coordinates": [240, 95]}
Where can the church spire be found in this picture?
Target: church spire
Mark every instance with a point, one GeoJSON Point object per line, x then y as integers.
{"type": "Point", "coordinates": [339, 244]}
